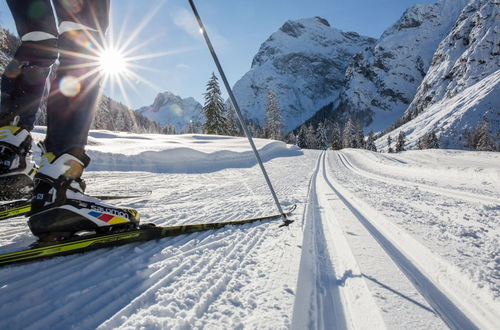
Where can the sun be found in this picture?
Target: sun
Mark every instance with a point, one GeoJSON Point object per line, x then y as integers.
{"type": "Point", "coordinates": [112, 62]}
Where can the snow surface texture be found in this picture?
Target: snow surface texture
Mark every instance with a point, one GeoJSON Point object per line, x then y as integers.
{"type": "Point", "coordinates": [304, 63]}
{"type": "Point", "coordinates": [383, 80]}
{"type": "Point", "coordinates": [173, 110]}
{"type": "Point", "coordinates": [406, 241]}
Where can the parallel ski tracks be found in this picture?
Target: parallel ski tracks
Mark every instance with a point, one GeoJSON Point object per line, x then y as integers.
{"type": "Point", "coordinates": [446, 307]}
{"type": "Point", "coordinates": [453, 193]}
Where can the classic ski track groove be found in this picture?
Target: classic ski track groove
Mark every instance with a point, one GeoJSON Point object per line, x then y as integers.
{"type": "Point", "coordinates": [444, 305]}
{"type": "Point", "coordinates": [453, 193]}
{"type": "Point", "coordinates": [316, 307]}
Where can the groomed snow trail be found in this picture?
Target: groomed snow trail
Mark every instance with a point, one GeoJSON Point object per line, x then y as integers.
{"type": "Point", "coordinates": [379, 275]}
{"type": "Point", "coordinates": [379, 242]}
{"type": "Point", "coordinates": [227, 278]}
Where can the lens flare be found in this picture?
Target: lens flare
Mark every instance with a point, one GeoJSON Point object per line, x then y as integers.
{"type": "Point", "coordinates": [69, 86]}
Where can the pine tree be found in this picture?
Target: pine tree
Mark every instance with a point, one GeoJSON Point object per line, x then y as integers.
{"type": "Point", "coordinates": [359, 137]}
{"type": "Point", "coordinates": [193, 127]}
{"type": "Point", "coordinates": [431, 141]}
{"type": "Point", "coordinates": [389, 142]}
{"type": "Point", "coordinates": [482, 136]}
{"type": "Point", "coordinates": [336, 137]}
{"type": "Point", "coordinates": [348, 135]}
{"type": "Point", "coordinates": [214, 108]}
{"type": "Point", "coordinates": [168, 129]}
{"type": "Point", "coordinates": [370, 143]}
{"type": "Point", "coordinates": [290, 138]}
{"type": "Point", "coordinates": [400, 144]}
{"type": "Point", "coordinates": [233, 127]}
{"type": "Point", "coordinates": [322, 137]}
{"type": "Point", "coordinates": [273, 128]}
{"type": "Point", "coordinates": [311, 137]}
{"type": "Point", "coordinates": [301, 137]}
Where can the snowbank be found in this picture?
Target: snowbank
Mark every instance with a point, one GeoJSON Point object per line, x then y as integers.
{"type": "Point", "coordinates": [188, 153]}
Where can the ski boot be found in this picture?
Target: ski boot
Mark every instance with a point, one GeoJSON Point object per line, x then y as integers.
{"type": "Point", "coordinates": [16, 164]}
{"type": "Point", "coordinates": [60, 208]}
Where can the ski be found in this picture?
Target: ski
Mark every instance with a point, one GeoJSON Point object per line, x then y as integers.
{"type": "Point", "coordinates": [148, 232]}
{"type": "Point", "coordinates": [22, 207]}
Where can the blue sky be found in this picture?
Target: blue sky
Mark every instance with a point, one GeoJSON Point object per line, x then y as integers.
{"type": "Point", "coordinates": [237, 29]}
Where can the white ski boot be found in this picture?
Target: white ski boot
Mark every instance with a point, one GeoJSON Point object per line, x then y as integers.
{"type": "Point", "coordinates": [16, 164]}
{"type": "Point", "coordinates": [60, 207]}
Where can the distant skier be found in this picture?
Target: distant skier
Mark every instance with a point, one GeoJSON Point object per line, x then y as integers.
{"type": "Point", "coordinates": [59, 206]}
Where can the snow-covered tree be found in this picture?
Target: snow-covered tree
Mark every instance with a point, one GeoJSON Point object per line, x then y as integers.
{"type": "Point", "coordinates": [193, 127]}
{"type": "Point", "coordinates": [480, 138]}
{"type": "Point", "coordinates": [168, 129]}
{"type": "Point", "coordinates": [389, 142]}
{"type": "Point", "coordinates": [370, 142]}
{"type": "Point", "coordinates": [336, 137]}
{"type": "Point", "coordinates": [254, 128]}
{"type": "Point", "coordinates": [400, 143]}
{"type": "Point", "coordinates": [301, 137]}
{"type": "Point", "coordinates": [428, 141]}
{"type": "Point", "coordinates": [359, 138]}
{"type": "Point", "coordinates": [349, 135]}
{"type": "Point", "coordinates": [290, 138]}
{"type": "Point", "coordinates": [233, 126]}
{"type": "Point", "coordinates": [214, 108]}
{"type": "Point", "coordinates": [274, 123]}
{"type": "Point", "coordinates": [322, 141]}
{"type": "Point", "coordinates": [311, 137]}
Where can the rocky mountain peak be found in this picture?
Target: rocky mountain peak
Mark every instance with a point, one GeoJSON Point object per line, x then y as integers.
{"type": "Point", "coordinates": [304, 63]}
{"type": "Point", "coordinates": [172, 109]}
{"type": "Point", "coordinates": [381, 81]}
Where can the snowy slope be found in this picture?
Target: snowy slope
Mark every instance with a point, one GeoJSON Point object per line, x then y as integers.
{"type": "Point", "coordinates": [462, 86]}
{"type": "Point", "coordinates": [470, 53]}
{"type": "Point", "coordinates": [382, 81]}
{"type": "Point", "coordinates": [304, 63]}
{"type": "Point", "coordinates": [170, 109]}
{"type": "Point", "coordinates": [451, 116]}
{"type": "Point", "coordinates": [407, 241]}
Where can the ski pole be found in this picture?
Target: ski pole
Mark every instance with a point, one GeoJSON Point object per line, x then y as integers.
{"type": "Point", "coordinates": [286, 222]}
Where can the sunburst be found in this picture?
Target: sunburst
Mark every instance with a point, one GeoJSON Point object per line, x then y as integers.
{"type": "Point", "coordinates": [112, 62]}
{"type": "Point", "coordinates": [116, 61]}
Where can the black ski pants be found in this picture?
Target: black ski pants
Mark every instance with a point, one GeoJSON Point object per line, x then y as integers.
{"type": "Point", "coordinates": [71, 31]}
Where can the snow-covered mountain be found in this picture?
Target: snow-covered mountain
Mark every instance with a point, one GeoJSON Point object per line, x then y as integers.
{"type": "Point", "coordinates": [304, 63]}
{"type": "Point", "coordinates": [382, 81]}
{"type": "Point", "coordinates": [462, 87]}
{"type": "Point", "coordinates": [170, 109]}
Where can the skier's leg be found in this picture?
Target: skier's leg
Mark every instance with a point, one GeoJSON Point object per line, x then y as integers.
{"type": "Point", "coordinates": [23, 84]}
{"type": "Point", "coordinates": [24, 79]}
{"type": "Point", "coordinates": [76, 88]}
{"type": "Point", "coordinates": [59, 206]}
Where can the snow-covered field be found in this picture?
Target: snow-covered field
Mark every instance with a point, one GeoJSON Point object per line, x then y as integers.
{"type": "Point", "coordinates": [400, 241]}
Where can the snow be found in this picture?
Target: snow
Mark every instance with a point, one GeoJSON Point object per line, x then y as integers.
{"type": "Point", "coordinates": [449, 117]}
{"type": "Point", "coordinates": [304, 63]}
{"type": "Point", "coordinates": [385, 79]}
{"type": "Point", "coordinates": [400, 241]}
{"type": "Point", "coordinates": [170, 109]}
